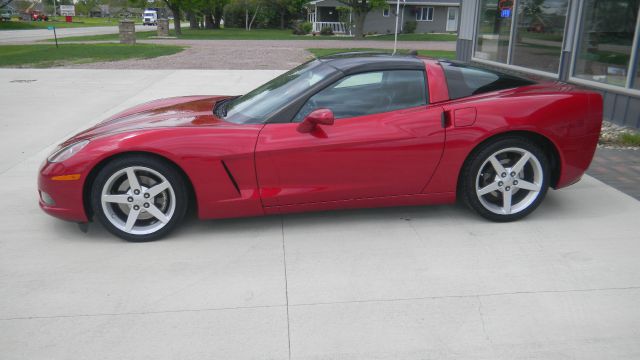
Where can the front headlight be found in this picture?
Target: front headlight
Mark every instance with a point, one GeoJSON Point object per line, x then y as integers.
{"type": "Point", "coordinates": [66, 152]}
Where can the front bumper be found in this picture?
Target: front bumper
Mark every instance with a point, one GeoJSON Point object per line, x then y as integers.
{"type": "Point", "coordinates": [61, 198]}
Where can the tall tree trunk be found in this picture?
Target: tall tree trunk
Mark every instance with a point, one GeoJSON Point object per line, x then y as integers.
{"type": "Point", "coordinates": [208, 20]}
{"type": "Point", "coordinates": [176, 20]}
{"type": "Point", "coordinates": [246, 18]}
{"type": "Point", "coordinates": [193, 21]}
{"type": "Point", "coordinates": [217, 16]}
{"type": "Point", "coordinates": [282, 18]}
{"type": "Point", "coordinates": [254, 17]}
{"type": "Point", "coordinates": [358, 20]}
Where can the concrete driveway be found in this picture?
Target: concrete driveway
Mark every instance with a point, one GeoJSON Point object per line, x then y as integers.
{"type": "Point", "coordinates": [402, 283]}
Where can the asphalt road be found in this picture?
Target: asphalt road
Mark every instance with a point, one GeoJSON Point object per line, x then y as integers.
{"type": "Point", "coordinates": [403, 283]}
{"type": "Point", "coordinates": [26, 36]}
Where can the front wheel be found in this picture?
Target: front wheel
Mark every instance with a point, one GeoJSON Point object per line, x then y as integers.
{"type": "Point", "coordinates": [139, 198]}
{"type": "Point", "coordinates": [505, 180]}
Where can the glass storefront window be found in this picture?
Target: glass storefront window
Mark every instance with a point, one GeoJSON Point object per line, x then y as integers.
{"type": "Point", "coordinates": [494, 29]}
{"type": "Point", "coordinates": [636, 81]}
{"type": "Point", "coordinates": [606, 39]}
{"type": "Point", "coordinates": [539, 34]}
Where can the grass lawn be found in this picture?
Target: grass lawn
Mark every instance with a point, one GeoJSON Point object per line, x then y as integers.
{"type": "Point", "coordinates": [57, 21]}
{"type": "Point", "coordinates": [438, 54]}
{"type": "Point", "coordinates": [630, 139]}
{"type": "Point", "coordinates": [42, 56]}
{"type": "Point", "coordinates": [261, 34]}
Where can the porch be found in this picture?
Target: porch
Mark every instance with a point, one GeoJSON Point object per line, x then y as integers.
{"type": "Point", "coordinates": [325, 16]}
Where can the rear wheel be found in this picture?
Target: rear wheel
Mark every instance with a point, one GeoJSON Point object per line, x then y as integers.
{"type": "Point", "coordinates": [139, 198]}
{"type": "Point", "coordinates": [505, 180]}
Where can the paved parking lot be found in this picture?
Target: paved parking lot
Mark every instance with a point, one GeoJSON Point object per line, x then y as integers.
{"type": "Point", "coordinates": [400, 283]}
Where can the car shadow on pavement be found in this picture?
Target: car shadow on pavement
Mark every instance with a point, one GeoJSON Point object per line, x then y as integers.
{"type": "Point", "coordinates": [455, 215]}
{"type": "Point", "coordinates": [192, 227]}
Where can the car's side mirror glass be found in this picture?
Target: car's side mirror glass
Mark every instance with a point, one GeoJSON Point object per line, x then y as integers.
{"type": "Point", "coordinates": [315, 118]}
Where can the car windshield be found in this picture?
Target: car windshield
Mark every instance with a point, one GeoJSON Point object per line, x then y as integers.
{"type": "Point", "coordinates": [255, 106]}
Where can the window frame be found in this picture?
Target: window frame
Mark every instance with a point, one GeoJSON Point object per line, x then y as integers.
{"type": "Point", "coordinates": [425, 9]}
{"type": "Point", "coordinates": [632, 68]}
{"type": "Point", "coordinates": [386, 10]}
{"type": "Point", "coordinates": [573, 23]}
{"type": "Point", "coordinates": [512, 35]}
{"type": "Point", "coordinates": [338, 80]}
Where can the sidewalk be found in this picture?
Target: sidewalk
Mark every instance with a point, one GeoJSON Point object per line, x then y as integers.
{"type": "Point", "coordinates": [618, 168]}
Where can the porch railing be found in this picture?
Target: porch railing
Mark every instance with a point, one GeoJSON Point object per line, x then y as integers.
{"type": "Point", "coordinates": [336, 27]}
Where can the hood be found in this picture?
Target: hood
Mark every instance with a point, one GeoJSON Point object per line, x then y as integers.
{"type": "Point", "coordinates": [187, 111]}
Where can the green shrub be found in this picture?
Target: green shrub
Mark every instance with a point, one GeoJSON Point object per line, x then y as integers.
{"type": "Point", "coordinates": [302, 28]}
{"type": "Point", "coordinates": [410, 27]}
{"type": "Point", "coordinates": [630, 139]}
{"type": "Point", "coordinates": [326, 30]}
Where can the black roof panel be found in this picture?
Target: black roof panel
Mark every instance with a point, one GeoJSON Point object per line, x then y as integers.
{"type": "Point", "coordinates": [355, 62]}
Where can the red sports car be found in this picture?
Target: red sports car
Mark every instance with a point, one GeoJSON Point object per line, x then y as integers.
{"type": "Point", "coordinates": [348, 131]}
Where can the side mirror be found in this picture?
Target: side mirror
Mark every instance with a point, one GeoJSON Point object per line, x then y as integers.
{"type": "Point", "coordinates": [317, 117]}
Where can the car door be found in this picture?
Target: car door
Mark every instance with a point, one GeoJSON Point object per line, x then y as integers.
{"type": "Point", "coordinates": [385, 141]}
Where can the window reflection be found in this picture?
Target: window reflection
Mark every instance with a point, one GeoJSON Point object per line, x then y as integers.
{"type": "Point", "coordinates": [539, 34]}
{"type": "Point", "coordinates": [606, 39]}
{"type": "Point", "coordinates": [636, 81]}
{"type": "Point", "coordinates": [494, 29]}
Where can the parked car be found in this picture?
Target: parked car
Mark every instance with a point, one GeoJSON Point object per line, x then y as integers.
{"type": "Point", "coordinates": [348, 131]}
{"type": "Point", "coordinates": [5, 15]}
{"type": "Point", "coordinates": [38, 16]}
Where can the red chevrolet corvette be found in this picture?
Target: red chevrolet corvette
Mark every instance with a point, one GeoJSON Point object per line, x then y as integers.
{"type": "Point", "coordinates": [348, 131]}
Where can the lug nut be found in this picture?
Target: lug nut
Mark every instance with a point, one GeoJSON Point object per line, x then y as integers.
{"type": "Point", "coordinates": [137, 192]}
{"type": "Point", "coordinates": [504, 175]}
{"type": "Point", "coordinates": [515, 182]}
{"type": "Point", "coordinates": [146, 196]}
{"type": "Point", "coordinates": [500, 183]}
{"type": "Point", "coordinates": [146, 205]}
{"type": "Point", "coordinates": [130, 199]}
{"type": "Point", "coordinates": [513, 174]}
{"type": "Point", "coordinates": [508, 188]}
{"type": "Point", "coordinates": [136, 207]}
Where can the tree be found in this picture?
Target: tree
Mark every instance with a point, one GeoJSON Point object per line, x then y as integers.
{"type": "Point", "coordinates": [286, 8]}
{"type": "Point", "coordinates": [85, 6]}
{"type": "Point", "coordinates": [249, 8]}
{"type": "Point", "coordinates": [5, 3]}
{"type": "Point", "coordinates": [360, 9]}
{"type": "Point", "coordinates": [176, 7]}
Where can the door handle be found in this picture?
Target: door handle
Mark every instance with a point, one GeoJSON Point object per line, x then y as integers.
{"type": "Point", "coordinates": [444, 119]}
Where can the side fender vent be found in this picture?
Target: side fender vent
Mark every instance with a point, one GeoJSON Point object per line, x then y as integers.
{"type": "Point", "coordinates": [233, 180]}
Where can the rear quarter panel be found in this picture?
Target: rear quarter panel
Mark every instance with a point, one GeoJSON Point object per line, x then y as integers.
{"type": "Point", "coordinates": [569, 118]}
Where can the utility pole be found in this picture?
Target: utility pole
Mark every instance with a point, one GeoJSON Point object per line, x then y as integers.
{"type": "Point", "coordinates": [395, 40]}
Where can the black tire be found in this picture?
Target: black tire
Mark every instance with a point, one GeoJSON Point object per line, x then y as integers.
{"type": "Point", "coordinates": [146, 170]}
{"type": "Point", "coordinates": [472, 180]}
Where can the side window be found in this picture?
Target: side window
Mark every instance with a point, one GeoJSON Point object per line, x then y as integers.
{"type": "Point", "coordinates": [372, 78]}
{"type": "Point", "coordinates": [369, 93]}
{"type": "Point", "coordinates": [465, 81]}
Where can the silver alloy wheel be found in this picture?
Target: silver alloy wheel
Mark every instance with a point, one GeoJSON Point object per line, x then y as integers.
{"type": "Point", "coordinates": [509, 181]}
{"type": "Point", "coordinates": [138, 200]}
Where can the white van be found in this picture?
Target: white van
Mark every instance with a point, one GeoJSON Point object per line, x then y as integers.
{"type": "Point", "coordinates": [150, 17]}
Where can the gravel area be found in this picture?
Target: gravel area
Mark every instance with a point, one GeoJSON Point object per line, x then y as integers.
{"type": "Point", "coordinates": [250, 54]}
{"type": "Point", "coordinates": [610, 134]}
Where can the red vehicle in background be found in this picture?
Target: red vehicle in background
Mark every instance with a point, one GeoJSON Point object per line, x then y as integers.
{"type": "Point", "coordinates": [347, 131]}
{"type": "Point", "coordinates": [38, 16]}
